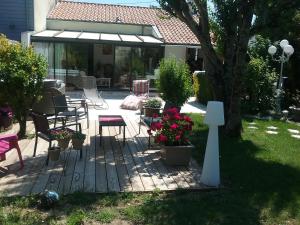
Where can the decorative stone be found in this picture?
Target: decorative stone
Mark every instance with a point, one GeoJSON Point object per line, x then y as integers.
{"type": "Point", "coordinates": [271, 132]}
{"type": "Point", "coordinates": [252, 127]}
{"type": "Point", "coordinates": [296, 136]}
{"type": "Point", "coordinates": [272, 128]}
{"type": "Point", "coordinates": [292, 131]}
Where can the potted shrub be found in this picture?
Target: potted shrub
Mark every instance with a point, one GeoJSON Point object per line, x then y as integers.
{"type": "Point", "coordinates": [63, 137]}
{"type": "Point", "coordinates": [78, 139]}
{"type": "Point", "coordinates": [173, 132]}
{"type": "Point", "coordinates": [175, 82]}
{"type": "Point", "coordinates": [152, 106]}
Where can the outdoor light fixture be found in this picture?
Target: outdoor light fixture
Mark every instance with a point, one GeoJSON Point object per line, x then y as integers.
{"type": "Point", "coordinates": [287, 51]}
{"type": "Point", "coordinates": [211, 166]}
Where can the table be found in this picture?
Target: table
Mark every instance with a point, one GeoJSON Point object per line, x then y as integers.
{"type": "Point", "coordinates": [104, 82]}
{"type": "Point", "coordinates": [111, 120]}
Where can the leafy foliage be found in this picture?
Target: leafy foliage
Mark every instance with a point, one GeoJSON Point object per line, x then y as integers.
{"type": "Point", "coordinates": [153, 103]}
{"type": "Point", "coordinates": [201, 88]}
{"type": "Point", "coordinates": [174, 81]}
{"type": "Point", "coordinates": [21, 74]}
{"type": "Point", "coordinates": [260, 79]}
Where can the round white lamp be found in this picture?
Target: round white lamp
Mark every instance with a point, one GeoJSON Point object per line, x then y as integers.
{"type": "Point", "coordinates": [272, 50]}
{"type": "Point", "coordinates": [211, 167]}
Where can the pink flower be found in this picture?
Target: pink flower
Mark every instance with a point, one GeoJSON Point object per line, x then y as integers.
{"type": "Point", "coordinates": [158, 125]}
{"type": "Point", "coordinates": [177, 137]}
{"type": "Point", "coordinates": [174, 126]}
{"type": "Point", "coordinates": [162, 138]}
{"type": "Point", "coordinates": [154, 115]}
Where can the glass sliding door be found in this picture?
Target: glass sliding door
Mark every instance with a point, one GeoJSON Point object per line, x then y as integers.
{"type": "Point", "coordinates": [137, 64]}
{"type": "Point", "coordinates": [60, 58]}
{"type": "Point", "coordinates": [121, 78]}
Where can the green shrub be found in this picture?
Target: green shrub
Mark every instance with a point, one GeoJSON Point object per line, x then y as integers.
{"type": "Point", "coordinates": [21, 74]}
{"type": "Point", "coordinates": [258, 84]}
{"type": "Point", "coordinates": [175, 81]}
{"type": "Point", "coordinates": [201, 88]}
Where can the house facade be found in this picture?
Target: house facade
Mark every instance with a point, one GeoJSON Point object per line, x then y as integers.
{"type": "Point", "coordinates": [17, 16]}
{"type": "Point", "coordinates": [114, 43]}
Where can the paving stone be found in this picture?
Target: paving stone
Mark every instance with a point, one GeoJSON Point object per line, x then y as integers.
{"type": "Point", "coordinates": [296, 136]}
{"type": "Point", "coordinates": [272, 128]}
{"type": "Point", "coordinates": [292, 131]}
{"type": "Point", "coordinates": [271, 132]}
{"type": "Point", "coordinates": [252, 127]}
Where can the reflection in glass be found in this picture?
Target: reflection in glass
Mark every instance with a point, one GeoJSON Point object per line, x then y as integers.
{"type": "Point", "coordinates": [122, 67]}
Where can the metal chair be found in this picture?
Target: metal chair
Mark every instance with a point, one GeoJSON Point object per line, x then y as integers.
{"type": "Point", "coordinates": [66, 109]}
{"type": "Point", "coordinates": [43, 130]}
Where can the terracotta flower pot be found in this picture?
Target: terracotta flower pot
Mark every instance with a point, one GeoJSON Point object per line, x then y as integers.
{"type": "Point", "coordinates": [63, 143]}
{"type": "Point", "coordinates": [54, 153]}
{"type": "Point", "coordinates": [177, 155]}
{"type": "Point", "coordinates": [150, 111]}
{"type": "Point", "coordinates": [77, 143]}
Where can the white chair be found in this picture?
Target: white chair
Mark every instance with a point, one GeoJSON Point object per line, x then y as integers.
{"type": "Point", "coordinates": [91, 93]}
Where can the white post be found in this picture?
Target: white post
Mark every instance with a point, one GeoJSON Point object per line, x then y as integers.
{"type": "Point", "coordinates": [211, 167]}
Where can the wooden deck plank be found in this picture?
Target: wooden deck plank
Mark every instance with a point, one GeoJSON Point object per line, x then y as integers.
{"type": "Point", "coordinates": [89, 178]}
{"type": "Point", "coordinates": [141, 146]}
{"type": "Point", "coordinates": [101, 176]}
{"type": "Point", "coordinates": [110, 167]}
{"type": "Point", "coordinates": [134, 176]}
{"type": "Point", "coordinates": [111, 170]}
{"type": "Point", "coordinates": [140, 165]}
{"type": "Point", "coordinates": [117, 147]}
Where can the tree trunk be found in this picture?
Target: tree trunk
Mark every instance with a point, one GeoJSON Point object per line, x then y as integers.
{"type": "Point", "coordinates": [22, 123]}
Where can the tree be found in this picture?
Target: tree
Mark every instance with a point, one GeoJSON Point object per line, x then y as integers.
{"type": "Point", "coordinates": [21, 74]}
{"type": "Point", "coordinates": [234, 17]}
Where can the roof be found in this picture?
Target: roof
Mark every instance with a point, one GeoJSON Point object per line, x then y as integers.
{"type": "Point", "coordinates": [172, 29]}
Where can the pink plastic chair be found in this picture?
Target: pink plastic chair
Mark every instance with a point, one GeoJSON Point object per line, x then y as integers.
{"type": "Point", "coordinates": [7, 143]}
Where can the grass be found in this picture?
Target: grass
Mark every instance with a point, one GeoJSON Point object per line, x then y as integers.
{"type": "Point", "coordinates": [261, 185]}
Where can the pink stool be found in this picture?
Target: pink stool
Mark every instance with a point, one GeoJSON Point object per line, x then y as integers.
{"type": "Point", "coordinates": [7, 143]}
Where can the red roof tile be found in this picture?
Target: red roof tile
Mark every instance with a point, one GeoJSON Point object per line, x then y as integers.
{"type": "Point", "coordinates": [172, 29]}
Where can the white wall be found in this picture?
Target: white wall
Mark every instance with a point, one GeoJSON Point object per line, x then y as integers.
{"type": "Point", "coordinates": [179, 52]}
{"type": "Point", "coordinates": [41, 10]}
{"type": "Point", "coordinates": [98, 27]}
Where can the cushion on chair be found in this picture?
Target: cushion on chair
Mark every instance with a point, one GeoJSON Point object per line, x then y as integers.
{"type": "Point", "coordinates": [9, 137]}
{"type": "Point", "coordinates": [132, 102]}
{"type": "Point", "coordinates": [111, 119]}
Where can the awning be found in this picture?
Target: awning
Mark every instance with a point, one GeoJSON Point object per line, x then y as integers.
{"type": "Point", "coordinates": [129, 38]}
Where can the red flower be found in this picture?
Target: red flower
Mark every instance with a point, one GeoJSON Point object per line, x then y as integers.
{"type": "Point", "coordinates": [158, 125]}
{"type": "Point", "coordinates": [174, 126]}
{"type": "Point", "coordinates": [149, 132]}
{"type": "Point", "coordinates": [162, 138]}
{"type": "Point", "coordinates": [154, 115]}
{"type": "Point", "coordinates": [177, 137]}
{"type": "Point", "coordinates": [188, 119]}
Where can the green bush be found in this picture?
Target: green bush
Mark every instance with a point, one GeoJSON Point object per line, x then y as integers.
{"type": "Point", "coordinates": [175, 81]}
{"type": "Point", "coordinates": [258, 82]}
{"type": "Point", "coordinates": [201, 88]}
{"type": "Point", "coordinates": [21, 74]}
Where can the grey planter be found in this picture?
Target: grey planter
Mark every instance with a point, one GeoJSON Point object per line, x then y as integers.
{"type": "Point", "coordinates": [176, 155]}
{"type": "Point", "coordinates": [54, 153]}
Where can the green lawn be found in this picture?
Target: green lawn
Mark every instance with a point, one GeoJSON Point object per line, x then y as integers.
{"type": "Point", "coordinates": [261, 185]}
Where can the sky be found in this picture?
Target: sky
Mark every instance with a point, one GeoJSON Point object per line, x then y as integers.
{"type": "Point", "coordinates": [124, 2]}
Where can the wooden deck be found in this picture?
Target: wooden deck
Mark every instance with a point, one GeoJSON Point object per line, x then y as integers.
{"type": "Point", "coordinates": [110, 167]}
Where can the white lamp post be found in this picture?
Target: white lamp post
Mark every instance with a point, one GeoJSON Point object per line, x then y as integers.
{"type": "Point", "coordinates": [287, 51]}
{"type": "Point", "coordinates": [211, 167]}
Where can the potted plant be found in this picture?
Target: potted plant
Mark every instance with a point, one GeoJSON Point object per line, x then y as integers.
{"type": "Point", "coordinates": [173, 132]}
{"type": "Point", "coordinates": [54, 153]}
{"type": "Point", "coordinates": [174, 83]}
{"type": "Point", "coordinates": [78, 139]}
{"type": "Point", "coordinates": [63, 137]}
{"type": "Point", "coordinates": [152, 106]}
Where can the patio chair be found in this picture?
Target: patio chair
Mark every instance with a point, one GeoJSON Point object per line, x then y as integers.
{"type": "Point", "coordinates": [7, 143]}
{"type": "Point", "coordinates": [91, 93]}
{"type": "Point", "coordinates": [43, 130]}
{"type": "Point", "coordinates": [68, 109]}
{"type": "Point", "coordinates": [141, 88]}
